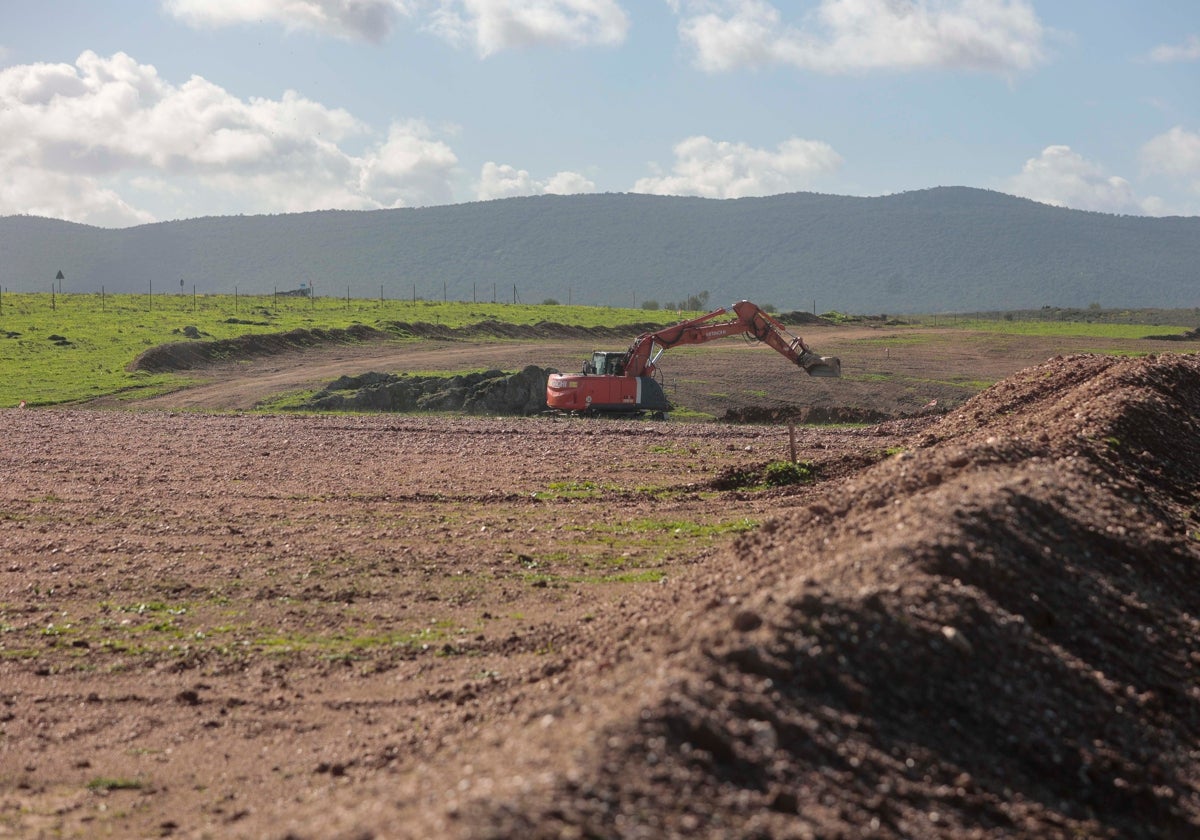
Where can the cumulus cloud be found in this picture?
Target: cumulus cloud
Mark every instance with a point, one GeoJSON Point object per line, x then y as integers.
{"type": "Point", "coordinates": [720, 169]}
{"type": "Point", "coordinates": [495, 25]}
{"type": "Point", "coordinates": [569, 183]}
{"type": "Point", "coordinates": [86, 141]}
{"type": "Point", "coordinates": [412, 167]}
{"type": "Point", "coordinates": [845, 36]}
{"type": "Point", "coordinates": [1177, 152]}
{"type": "Point", "coordinates": [369, 20]}
{"type": "Point", "coordinates": [1189, 50]}
{"type": "Point", "coordinates": [1064, 178]}
{"type": "Point", "coordinates": [504, 181]}
{"type": "Point", "coordinates": [37, 192]}
{"type": "Point", "coordinates": [489, 26]}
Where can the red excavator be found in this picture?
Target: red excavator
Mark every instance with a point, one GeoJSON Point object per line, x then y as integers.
{"type": "Point", "coordinates": [619, 383]}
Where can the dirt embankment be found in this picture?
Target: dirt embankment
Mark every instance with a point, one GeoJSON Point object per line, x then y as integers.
{"type": "Point", "coordinates": [994, 633]}
{"type": "Point", "coordinates": [196, 353]}
{"type": "Point", "coordinates": [1190, 335]}
{"type": "Point", "coordinates": [500, 329]}
{"type": "Point", "coordinates": [189, 355]}
{"type": "Point", "coordinates": [491, 392]}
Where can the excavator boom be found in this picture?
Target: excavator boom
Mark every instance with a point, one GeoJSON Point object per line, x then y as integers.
{"type": "Point", "coordinates": [619, 383]}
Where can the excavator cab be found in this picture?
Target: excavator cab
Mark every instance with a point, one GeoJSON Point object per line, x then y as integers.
{"type": "Point", "coordinates": [606, 363]}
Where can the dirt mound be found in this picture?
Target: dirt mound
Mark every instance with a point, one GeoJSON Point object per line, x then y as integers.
{"type": "Point", "coordinates": [499, 329]}
{"type": "Point", "coordinates": [188, 355]}
{"type": "Point", "coordinates": [994, 633]}
{"type": "Point", "coordinates": [1190, 335]}
{"type": "Point", "coordinates": [797, 318]}
{"type": "Point", "coordinates": [492, 392]}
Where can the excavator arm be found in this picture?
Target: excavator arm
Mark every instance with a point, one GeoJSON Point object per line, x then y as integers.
{"type": "Point", "coordinates": [768, 330]}
{"type": "Point", "coordinates": [747, 319]}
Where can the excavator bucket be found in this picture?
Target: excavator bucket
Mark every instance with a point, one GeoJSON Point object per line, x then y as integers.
{"type": "Point", "coordinates": [820, 365]}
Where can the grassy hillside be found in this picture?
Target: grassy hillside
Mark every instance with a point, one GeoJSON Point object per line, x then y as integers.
{"type": "Point", "coordinates": [76, 347]}
{"type": "Point", "coordinates": [940, 250]}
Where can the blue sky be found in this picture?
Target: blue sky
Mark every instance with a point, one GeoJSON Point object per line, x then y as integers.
{"type": "Point", "coordinates": [122, 113]}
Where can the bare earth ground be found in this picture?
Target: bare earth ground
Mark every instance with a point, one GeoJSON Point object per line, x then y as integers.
{"type": "Point", "coordinates": [983, 624]}
{"type": "Point", "coordinates": [893, 372]}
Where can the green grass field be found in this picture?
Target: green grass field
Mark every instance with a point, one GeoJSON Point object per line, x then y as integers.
{"type": "Point", "coordinates": [61, 349]}
{"type": "Point", "coordinates": [66, 348]}
{"type": "Point", "coordinates": [1065, 328]}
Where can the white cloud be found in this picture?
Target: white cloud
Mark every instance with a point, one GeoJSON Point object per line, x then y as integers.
{"type": "Point", "coordinates": [1064, 178]}
{"type": "Point", "coordinates": [83, 142]}
{"type": "Point", "coordinates": [496, 25]}
{"type": "Point", "coordinates": [411, 168]}
{"type": "Point", "coordinates": [38, 192]}
{"type": "Point", "coordinates": [713, 169]}
{"type": "Point", "coordinates": [844, 36]}
{"type": "Point", "coordinates": [1177, 152]}
{"type": "Point", "coordinates": [569, 183]}
{"type": "Point", "coordinates": [368, 20]}
{"type": "Point", "coordinates": [1189, 50]}
{"type": "Point", "coordinates": [504, 181]}
{"type": "Point", "coordinates": [490, 26]}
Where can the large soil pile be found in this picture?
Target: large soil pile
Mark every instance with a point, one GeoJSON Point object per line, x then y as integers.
{"type": "Point", "coordinates": [993, 633]}
{"type": "Point", "coordinates": [491, 392]}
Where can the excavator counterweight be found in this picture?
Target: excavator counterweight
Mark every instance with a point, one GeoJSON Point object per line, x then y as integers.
{"type": "Point", "coordinates": [625, 383]}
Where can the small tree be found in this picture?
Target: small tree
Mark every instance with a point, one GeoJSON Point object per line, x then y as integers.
{"type": "Point", "coordinates": [650, 304]}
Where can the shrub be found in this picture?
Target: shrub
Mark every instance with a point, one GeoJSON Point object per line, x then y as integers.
{"type": "Point", "coordinates": [783, 473]}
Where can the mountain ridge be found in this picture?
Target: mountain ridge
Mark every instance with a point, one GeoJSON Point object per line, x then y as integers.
{"type": "Point", "coordinates": [938, 249]}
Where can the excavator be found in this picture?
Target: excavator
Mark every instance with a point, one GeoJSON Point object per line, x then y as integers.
{"type": "Point", "coordinates": [623, 384]}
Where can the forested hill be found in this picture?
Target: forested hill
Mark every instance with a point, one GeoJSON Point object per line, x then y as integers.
{"type": "Point", "coordinates": [937, 250]}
